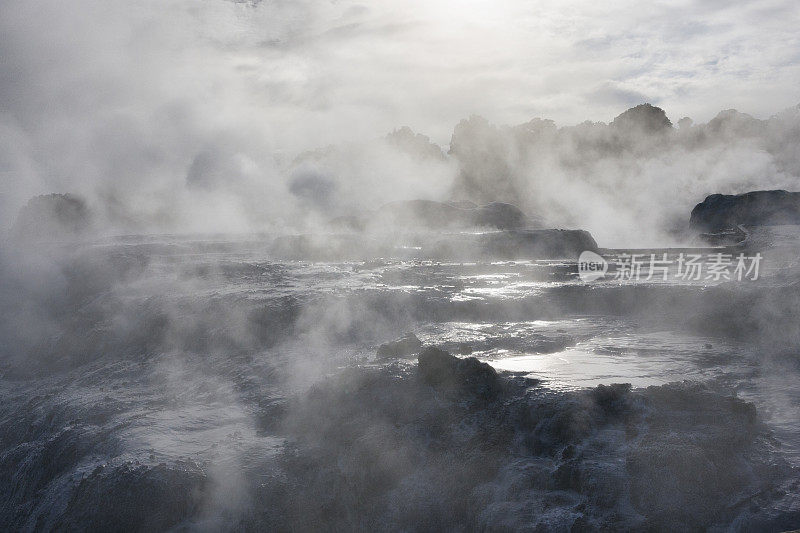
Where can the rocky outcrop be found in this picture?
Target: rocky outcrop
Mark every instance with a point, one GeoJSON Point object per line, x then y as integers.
{"type": "Point", "coordinates": [406, 455]}
{"type": "Point", "coordinates": [52, 217]}
{"type": "Point", "coordinates": [501, 216]}
{"type": "Point", "coordinates": [458, 376]}
{"type": "Point", "coordinates": [720, 212]}
{"type": "Point", "coordinates": [405, 345]}
{"type": "Point", "coordinates": [539, 244]}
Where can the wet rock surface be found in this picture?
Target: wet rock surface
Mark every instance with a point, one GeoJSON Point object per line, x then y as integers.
{"type": "Point", "coordinates": [720, 212]}
{"type": "Point", "coordinates": [458, 376]}
{"type": "Point", "coordinates": [545, 243]}
{"type": "Point", "coordinates": [406, 345]}
{"type": "Point", "coordinates": [406, 453]}
{"type": "Point", "coordinates": [193, 409]}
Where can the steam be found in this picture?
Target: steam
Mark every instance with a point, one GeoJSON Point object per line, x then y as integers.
{"type": "Point", "coordinates": [613, 179]}
{"type": "Point", "coordinates": [159, 379]}
{"type": "Point", "coordinates": [179, 116]}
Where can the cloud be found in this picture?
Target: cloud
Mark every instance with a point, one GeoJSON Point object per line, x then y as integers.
{"type": "Point", "coordinates": [119, 99]}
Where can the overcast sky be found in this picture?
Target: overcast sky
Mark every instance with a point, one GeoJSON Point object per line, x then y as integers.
{"type": "Point", "coordinates": [108, 90]}
{"type": "Point", "coordinates": [430, 63]}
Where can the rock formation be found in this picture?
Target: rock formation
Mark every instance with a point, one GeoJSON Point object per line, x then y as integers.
{"type": "Point", "coordinates": [405, 345]}
{"type": "Point", "coordinates": [457, 376]}
{"type": "Point", "coordinates": [720, 212]}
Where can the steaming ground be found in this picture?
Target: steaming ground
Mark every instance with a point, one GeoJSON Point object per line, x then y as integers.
{"type": "Point", "coordinates": [164, 383]}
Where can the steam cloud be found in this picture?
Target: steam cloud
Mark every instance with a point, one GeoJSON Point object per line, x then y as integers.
{"type": "Point", "coordinates": [181, 116]}
{"type": "Point", "coordinates": [198, 383]}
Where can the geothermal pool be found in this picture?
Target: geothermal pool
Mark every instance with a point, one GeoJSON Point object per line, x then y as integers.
{"type": "Point", "coordinates": [202, 383]}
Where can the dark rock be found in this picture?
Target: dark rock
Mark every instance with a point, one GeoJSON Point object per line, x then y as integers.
{"type": "Point", "coordinates": [612, 398]}
{"type": "Point", "coordinates": [460, 376]}
{"type": "Point", "coordinates": [728, 237]}
{"type": "Point", "coordinates": [153, 498]}
{"type": "Point", "coordinates": [499, 215]}
{"type": "Point", "coordinates": [464, 349]}
{"type": "Point", "coordinates": [406, 456]}
{"type": "Point", "coordinates": [676, 479]}
{"type": "Point", "coordinates": [569, 452]}
{"type": "Point", "coordinates": [405, 345]}
{"type": "Point", "coordinates": [53, 216]}
{"type": "Point", "coordinates": [720, 212]}
{"type": "Point", "coordinates": [540, 244]}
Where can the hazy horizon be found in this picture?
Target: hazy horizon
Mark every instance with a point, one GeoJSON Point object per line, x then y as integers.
{"type": "Point", "coordinates": [124, 102]}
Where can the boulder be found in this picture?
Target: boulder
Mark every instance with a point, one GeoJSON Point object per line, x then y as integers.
{"type": "Point", "coordinates": [463, 377]}
{"type": "Point", "coordinates": [720, 212]}
{"type": "Point", "coordinates": [405, 345]}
